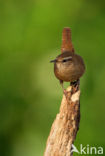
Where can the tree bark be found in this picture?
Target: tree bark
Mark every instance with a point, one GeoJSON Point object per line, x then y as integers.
{"type": "Point", "coordinates": [64, 129]}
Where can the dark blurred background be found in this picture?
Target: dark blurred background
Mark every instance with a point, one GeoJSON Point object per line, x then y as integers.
{"type": "Point", "coordinates": [30, 95]}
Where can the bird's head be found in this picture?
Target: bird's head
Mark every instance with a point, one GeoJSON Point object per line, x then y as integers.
{"type": "Point", "coordinates": [63, 59]}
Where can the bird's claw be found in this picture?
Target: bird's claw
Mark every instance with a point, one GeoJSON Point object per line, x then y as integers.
{"type": "Point", "coordinates": [65, 92]}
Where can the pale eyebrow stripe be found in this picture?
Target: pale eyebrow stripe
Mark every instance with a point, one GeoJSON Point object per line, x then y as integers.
{"type": "Point", "coordinates": [66, 58]}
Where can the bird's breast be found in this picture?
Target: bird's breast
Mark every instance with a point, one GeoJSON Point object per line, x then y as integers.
{"type": "Point", "coordinates": [62, 72]}
{"type": "Point", "coordinates": [69, 72]}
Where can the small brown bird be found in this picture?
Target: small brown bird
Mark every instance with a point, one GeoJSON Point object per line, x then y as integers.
{"type": "Point", "coordinates": [68, 67]}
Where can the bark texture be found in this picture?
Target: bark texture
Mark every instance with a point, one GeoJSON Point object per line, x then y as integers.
{"type": "Point", "coordinates": [64, 128]}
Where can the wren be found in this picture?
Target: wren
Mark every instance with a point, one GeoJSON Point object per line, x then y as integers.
{"type": "Point", "coordinates": [68, 67]}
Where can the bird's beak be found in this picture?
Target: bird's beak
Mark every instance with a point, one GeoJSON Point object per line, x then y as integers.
{"type": "Point", "coordinates": [53, 61]}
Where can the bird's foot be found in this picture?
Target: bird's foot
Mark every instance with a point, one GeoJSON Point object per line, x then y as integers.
{"type": "Point", "coordinates": [65, 92]}
{"type": "Point", "coordinates": [75, 85]}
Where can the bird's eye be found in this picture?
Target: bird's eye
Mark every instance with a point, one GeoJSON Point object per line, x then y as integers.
{"type": "Point", "coordinates": [67, 59]}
